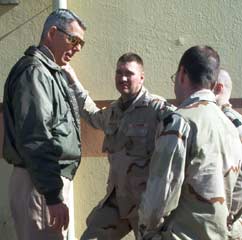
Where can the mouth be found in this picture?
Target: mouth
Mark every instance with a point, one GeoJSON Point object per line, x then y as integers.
{"type": "Point", "coordinates": [67, 57]}
{"type": "Point", "coordinates": [123, 85]}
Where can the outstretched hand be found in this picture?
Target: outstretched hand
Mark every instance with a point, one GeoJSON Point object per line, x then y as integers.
{"type": "Point", "coordinates": [59, 216]}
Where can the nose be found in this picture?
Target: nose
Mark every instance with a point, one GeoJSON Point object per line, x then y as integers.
{"type": "Point", "coordinates": [124, 78]}
{"type": "Point", "coordinates": [77, 47]}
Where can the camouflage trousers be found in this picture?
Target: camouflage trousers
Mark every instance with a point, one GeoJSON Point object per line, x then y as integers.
{"type": "Point", "coordinates": [105, 223]}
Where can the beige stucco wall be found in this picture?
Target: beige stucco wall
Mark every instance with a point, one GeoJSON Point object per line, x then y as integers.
{"type": "Point", "coordinates": [159, 30]}
{"type": "Point", "coordinates": [20, 27]}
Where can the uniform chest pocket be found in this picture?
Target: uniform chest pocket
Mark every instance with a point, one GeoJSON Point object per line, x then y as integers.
{"type": "Point", "coordinates": [113, 142]}
{"type": "Point", "coordinates": [137, 130]}
{"type": "Point", "coordinates": [138, 140]}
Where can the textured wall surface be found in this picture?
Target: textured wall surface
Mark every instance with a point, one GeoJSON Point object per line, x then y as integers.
{"type": "Point", "coordinates": [20, 27]}
{"type": "Point", "coordinates": [160, 31]}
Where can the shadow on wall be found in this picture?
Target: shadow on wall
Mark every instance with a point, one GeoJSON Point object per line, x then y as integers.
{"type": "Point", "coordinates": [5, 8]}
{"type": "Point", "coordinates": [6, 223]}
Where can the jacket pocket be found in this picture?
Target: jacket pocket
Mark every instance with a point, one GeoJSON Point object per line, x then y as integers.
{"type": "Point", "coordinates": [137, 130]}
{"type": "Point", "coordinates": [112, 141]}
{"type": "Point", "coordinates": [138, 139]}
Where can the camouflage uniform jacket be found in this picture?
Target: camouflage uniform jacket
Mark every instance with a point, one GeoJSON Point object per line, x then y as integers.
{"type": "Point", "coordinates": [129, 142]}
{"type": "Point", "coordinates": [192, 173]}
{"type": "Point", "coordinates": [236, 119]}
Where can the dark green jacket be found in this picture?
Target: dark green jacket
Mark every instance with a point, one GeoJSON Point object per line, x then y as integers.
{"type": "Point", "coordinates": [41, 128]}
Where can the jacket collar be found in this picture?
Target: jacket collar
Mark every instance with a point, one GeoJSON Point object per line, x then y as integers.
{"type": "Point", "coordinates": [201, 95]}
{"type": "Point", "coordinates": [44, 55]}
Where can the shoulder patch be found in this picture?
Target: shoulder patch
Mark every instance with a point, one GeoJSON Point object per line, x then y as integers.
{"type": "Point", "coordinates": [156, 101]}
{"type": "Point", "coordinates": [168, 120]}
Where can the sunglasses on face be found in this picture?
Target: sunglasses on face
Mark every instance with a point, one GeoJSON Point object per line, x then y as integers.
{"type": "Point", "coordinates": [74, 40]}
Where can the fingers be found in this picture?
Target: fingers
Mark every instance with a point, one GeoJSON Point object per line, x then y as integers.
{"type": "Point", "coordinates": [66, 220]}
{"type": "Point", "coordinates": [59, 216]}
{"type": "Point", "coordinates": [52, 218]}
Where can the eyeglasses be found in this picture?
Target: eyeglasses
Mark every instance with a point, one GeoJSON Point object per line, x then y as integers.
{"type": "Point", "coordinates": [74, 40]}
{"type": "Point", "coordinates": [173, 77]}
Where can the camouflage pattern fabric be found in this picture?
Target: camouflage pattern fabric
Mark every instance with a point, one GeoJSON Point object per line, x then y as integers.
{"type": "Point", "coordinates": [129, 142]}
{"type": "Point", "coordinates": [236, 119]}
{"type": "Point", "coordinates": [193, 172]}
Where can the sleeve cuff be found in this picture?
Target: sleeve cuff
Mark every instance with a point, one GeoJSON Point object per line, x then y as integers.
{"type": "Point", "coordinates": [53, 197]}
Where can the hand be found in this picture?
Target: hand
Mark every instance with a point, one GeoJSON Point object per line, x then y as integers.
{"type": "Point", "coordinates": [59, 216]}
{"type": "Point", "coordinates": [69, 71]}
{"type": "Point", "coordinates": [230, 220]}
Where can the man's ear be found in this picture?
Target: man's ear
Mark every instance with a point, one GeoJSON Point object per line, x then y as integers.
{"type": "Point", "coordinates": [182, 74]}
{"type": "Point", "coordinates": [52, 32]}
{"type": "Point", "coordinates": [218, 88]}
{"type": "Point", "coordinates": [142, 77]}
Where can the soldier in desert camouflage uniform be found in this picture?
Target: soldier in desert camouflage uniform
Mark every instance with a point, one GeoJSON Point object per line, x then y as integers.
{"type": "Point", "coordinates": [222, 92]}
{"type": "Point", "coordinates": [196, 160]}
{"type": "Point", "coordinates": [129, 125]}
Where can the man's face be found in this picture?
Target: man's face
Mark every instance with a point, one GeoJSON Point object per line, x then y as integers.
{"type": "Point", "coordinates": [129, 78]}
{"type": "Point", "coordinates": [66, 43]}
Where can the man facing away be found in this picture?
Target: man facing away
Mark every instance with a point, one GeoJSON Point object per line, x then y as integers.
{"type": "Point", "coordinates": [129, 125]}
{"type": "Point", "coordinates": [222, 91]}
{"type": "Point", "coordinates": [42, 139]}
{"type": "Point", "coordinates": [196, 162]}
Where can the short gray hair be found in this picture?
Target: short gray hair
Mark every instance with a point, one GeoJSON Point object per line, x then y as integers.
{"type": "Point", "coordinates": [61, 18]}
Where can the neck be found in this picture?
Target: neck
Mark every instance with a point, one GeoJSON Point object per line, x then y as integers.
{"type": "Point", "coordinates": [126, 98]}
{"type": "Point", "coordinates": [223, 102]}
{"type": "Point", "coordinates": [43, 48]}
{"type": "Point", "coordinates": [191, 91]}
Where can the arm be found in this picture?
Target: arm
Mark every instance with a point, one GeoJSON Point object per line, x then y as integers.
{"type": "Point", "coordinates": [236, 208]}
{"type": "Point", "coordinates": [166, 175]}
{"type": "Point", "coordinates": [87, 107]}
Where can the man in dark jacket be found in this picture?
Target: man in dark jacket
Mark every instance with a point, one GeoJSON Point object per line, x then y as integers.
{"type": "Point", "coordinates": [42, 133]}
